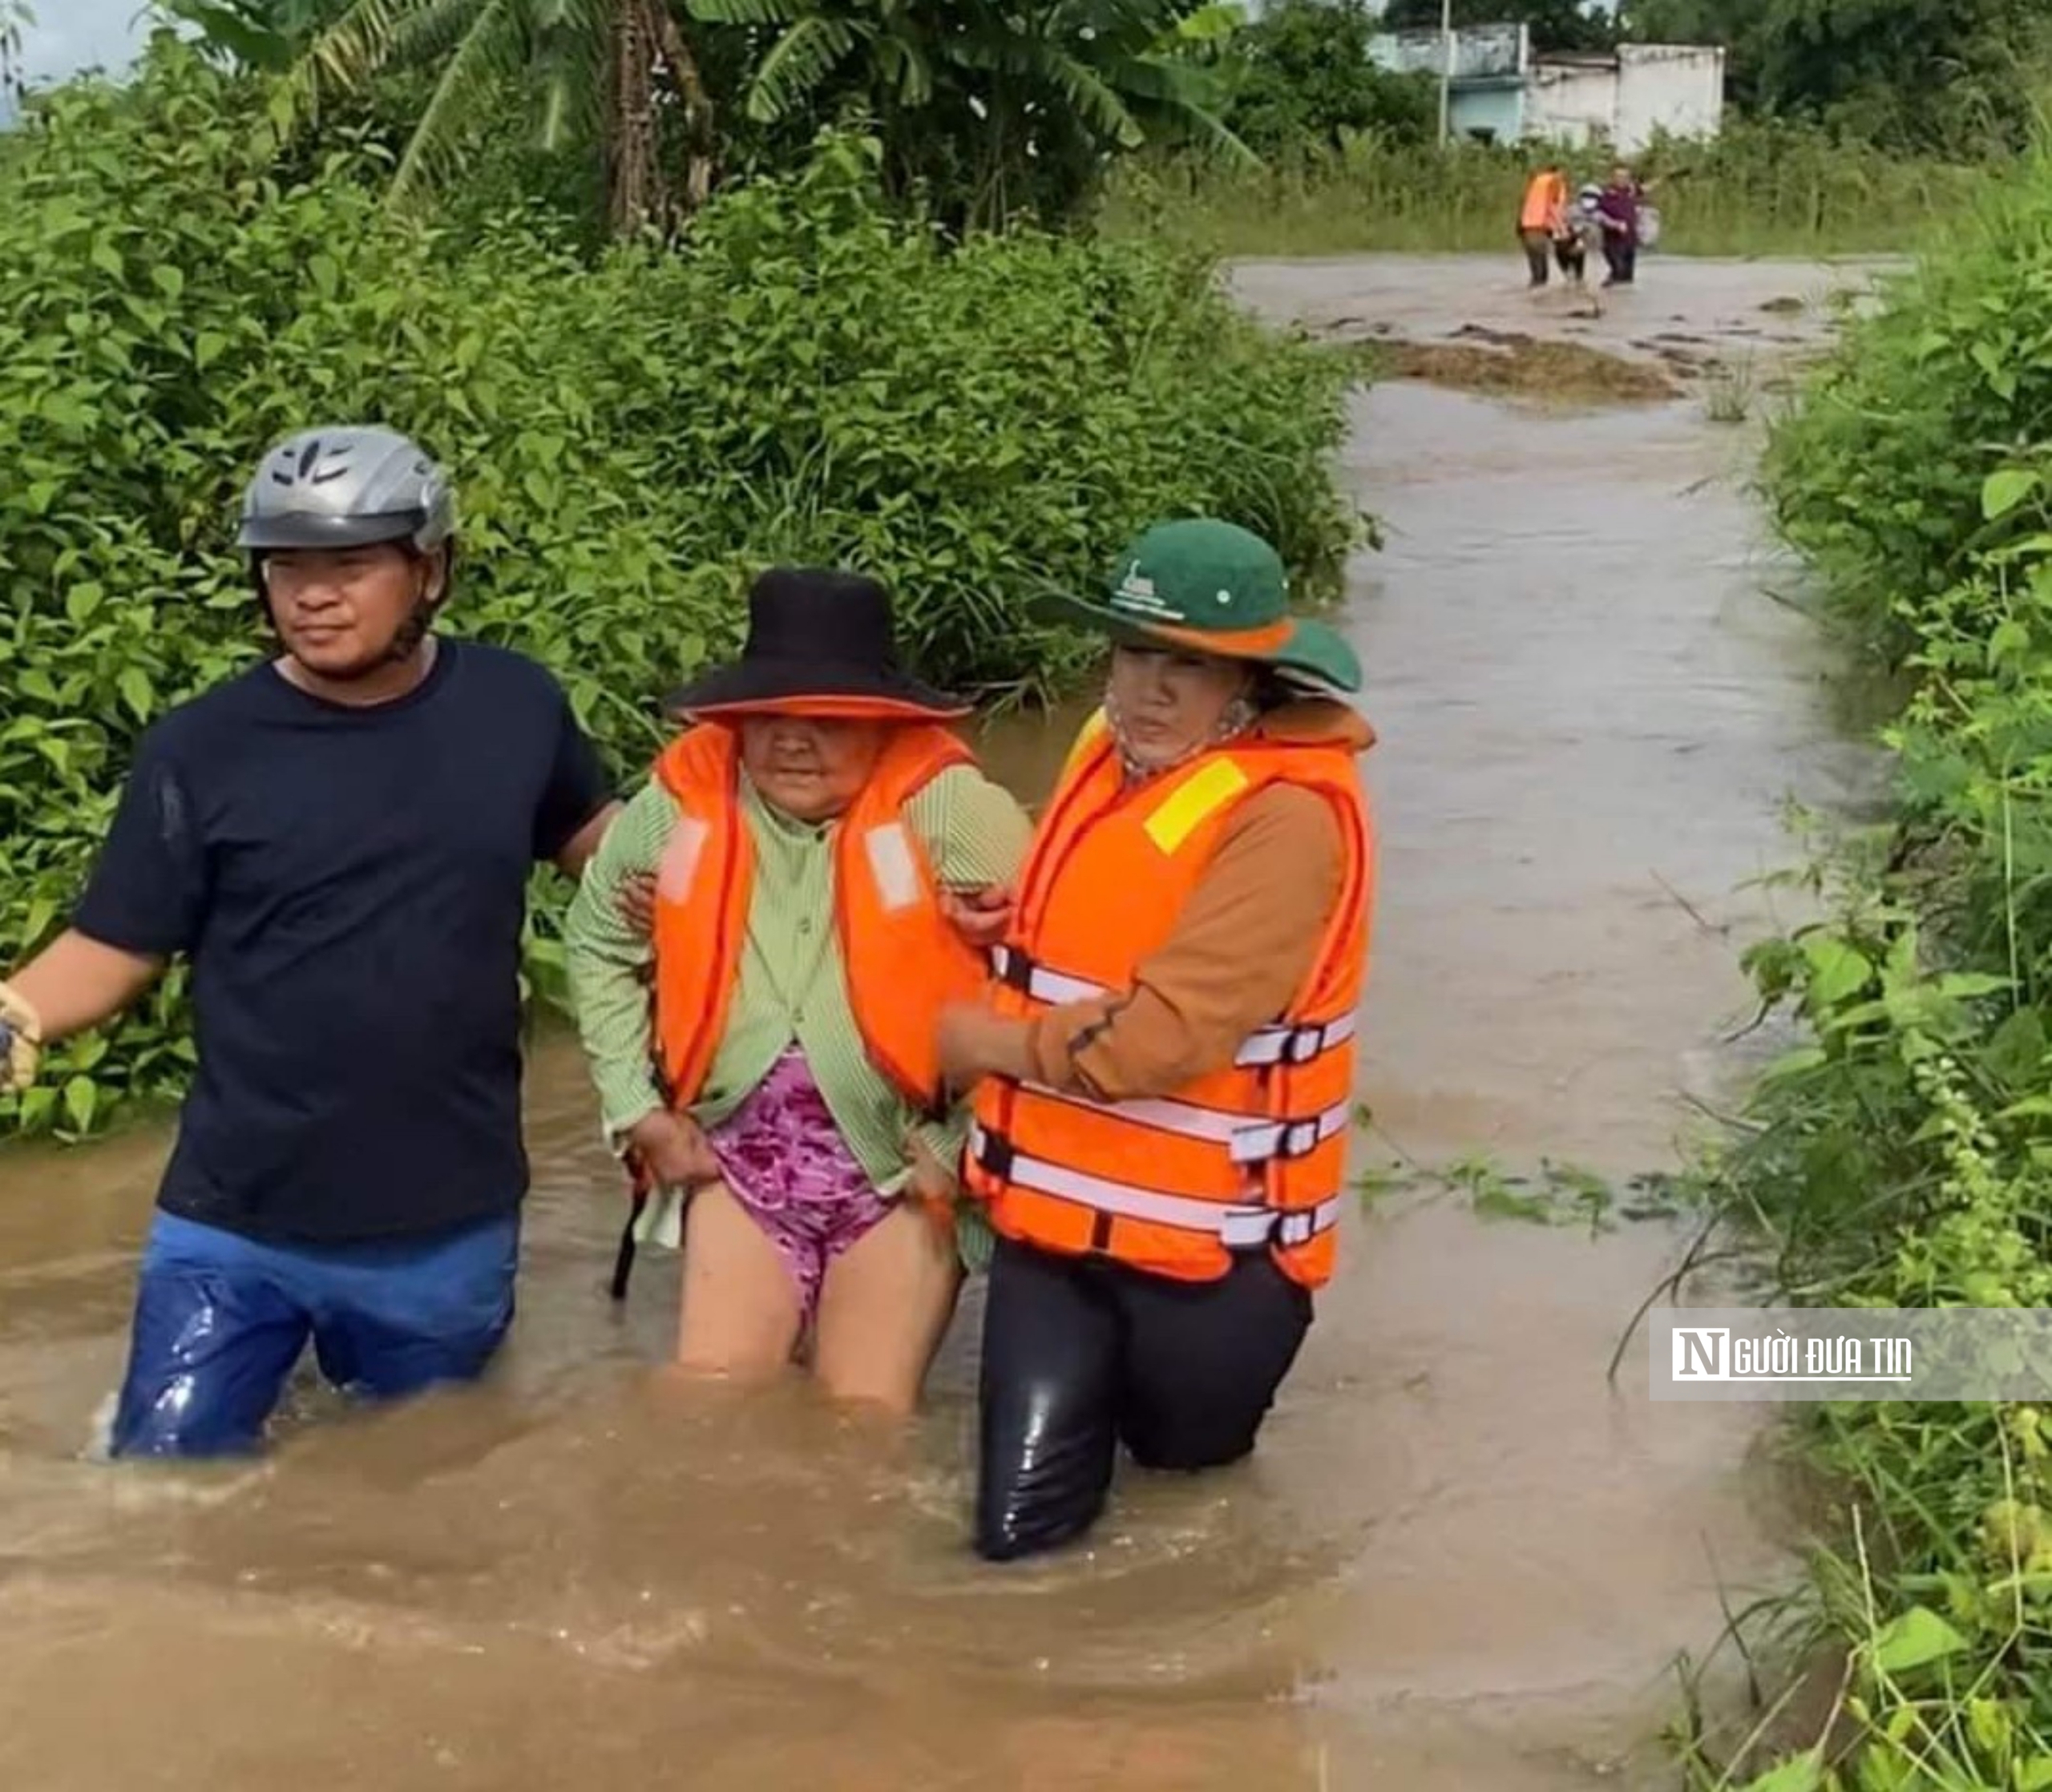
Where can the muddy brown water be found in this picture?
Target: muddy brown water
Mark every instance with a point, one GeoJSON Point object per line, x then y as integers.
{"type": "Point", "coordinates": [1460, 1560]}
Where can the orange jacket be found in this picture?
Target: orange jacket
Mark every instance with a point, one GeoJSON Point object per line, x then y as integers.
{"type": "Point", "coordinates": [1545, 203]}
{"type": "Point", "coordinates": [901, 959]}
{"type": "Point", "coordinates": [1250, 1154]}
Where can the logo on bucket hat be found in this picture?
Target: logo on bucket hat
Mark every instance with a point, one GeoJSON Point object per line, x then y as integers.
{"type": "Point", "coordinates": [1138, 592]}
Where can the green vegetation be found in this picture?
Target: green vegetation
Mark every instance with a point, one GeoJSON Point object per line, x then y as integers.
{"type": "Point", "coordinates": [1952, 79]}
{"type": "Point", "coordinates": [629, 114]}
{"type": "Point", "coordinates": [1558, 1195]}
{"type": "Point", "coordinates": [1841, 138]}
{"type": "Point", "coordinates": [1565, 25]}
{"type": "Point", "coordinates": [634, 434]}
{"type": "Point", "coordinates": [1955, 79]}
{"type": "Point", "coordinates": [1759, 189]}
{"type": "Point", "coordinates": [986, 112]}
{"type": "Point", "coordinates": [1300, 78]}
{"type": "Point", "coordinates": [1902, 1156]}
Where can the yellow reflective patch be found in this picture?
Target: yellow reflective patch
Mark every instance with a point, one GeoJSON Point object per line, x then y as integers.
{"type": "Point", "coordinates": [1198, 796]}
{"type": "Point", "coordinates": [1093, 730]}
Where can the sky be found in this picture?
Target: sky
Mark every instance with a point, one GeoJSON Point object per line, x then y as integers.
{"type": "Point", "coordinates": [72, 34]}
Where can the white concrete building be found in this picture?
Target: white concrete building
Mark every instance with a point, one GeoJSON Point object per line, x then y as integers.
{"type": "Point", "coordinates": [1504, 93]}
{"type": "Point", "coordinates": [1643, 89]}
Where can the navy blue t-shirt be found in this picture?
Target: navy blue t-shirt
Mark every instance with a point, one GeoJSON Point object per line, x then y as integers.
{"type": "Point", "coordinates": [351, 884]}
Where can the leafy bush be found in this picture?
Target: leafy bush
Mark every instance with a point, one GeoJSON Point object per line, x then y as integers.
{"type": "Point", "coordinates": [1902, 1157]}
{"type": "Point", "coordinates": [1302, 79]}
{"type": "Point", "coordinates": [1881, 477]}
{"type": "Point", "coordinates": [1864, 67]}
{"type": "Point", "coordinates": [632, 439]}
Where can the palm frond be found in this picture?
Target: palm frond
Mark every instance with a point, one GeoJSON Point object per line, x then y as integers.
{"type": "Point", "coordinates": [1204, 128]}
{"type": "Point", "coordinates": [567, 51]}
{"type": "Point", "coordinates": [1093, 96]}
{"type": "Point", "coordinates": [429, 32]}
{"type": "Point", "coordinates": [359, 43]}
{"type": "Point", "coordinates": [745, 12]}
{"type": "Point", "coordinates": [1168, 79]}
{"type": "Point", "coordinates": [494, 51]}
{"type": "Point", "coordinates": [907, 69]}
{"type": "Point", "coordinates": [801, 58]}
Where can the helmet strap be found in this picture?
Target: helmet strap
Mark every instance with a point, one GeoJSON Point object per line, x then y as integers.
{"type": "Point", "coordinates": [420, 619]}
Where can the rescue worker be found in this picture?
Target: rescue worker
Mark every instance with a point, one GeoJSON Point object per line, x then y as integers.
{"type": "Point", "coordinates": [809, 834]}
{"type": "Point", "coordinates": [340, 840]}
{"type": "Point", "coordinates": [1164, 1070]}
{"type": "Point", "coordinates": [1542, 220]}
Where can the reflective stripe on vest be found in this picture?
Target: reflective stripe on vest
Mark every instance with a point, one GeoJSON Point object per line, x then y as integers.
{"type": "Point", "coordinates": [1249, 1138]}
{"type": "Point", "coordinates": [1237, 1226]}
{"type": "Point", "coordinates": [1265, 1046]}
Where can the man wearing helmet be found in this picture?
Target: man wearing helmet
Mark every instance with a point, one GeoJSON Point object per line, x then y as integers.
{"type": "Point", "coordinates": [340, 840]}
{"type": "Point", "coordinates": [350, 535]}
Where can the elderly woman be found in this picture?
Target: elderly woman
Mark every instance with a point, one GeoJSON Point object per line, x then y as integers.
{"type": "Point", "coordinates": [810, 834]}
{"type": "Point", "coordinates": [1165, 1072]}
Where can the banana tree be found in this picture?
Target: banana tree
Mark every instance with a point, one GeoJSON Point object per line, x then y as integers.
{"type": "Point", "coordinates": [1011, 104]}
{"type": "Point", "coordinates": [598, 74]}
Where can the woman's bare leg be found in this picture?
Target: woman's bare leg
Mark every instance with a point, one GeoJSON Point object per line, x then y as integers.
{"type": "Point", "coordinates": [884, 1309]}
{"type": "Point", "coordinates": [741, 1309]}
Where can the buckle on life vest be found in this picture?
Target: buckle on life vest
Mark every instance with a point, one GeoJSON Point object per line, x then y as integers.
{"type": "Point", "coordinates": [1301, 1225]}
{"type": "Point", "coordinates": [1300, 1139]}
{"type": "Point", "coordinates": [1013, 968]}
{"type": "Point", "coordinates": [1019, 970]}
{"type": "Point", "coordinates": [990, 1151]}
{"type": "Point", "coordinates": [1294, 1045]}
{"type": "Point", "coordinates": [1290, 1138]}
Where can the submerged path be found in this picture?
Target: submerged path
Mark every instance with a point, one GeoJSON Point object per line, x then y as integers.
{"type": "Point", "coordinates": [1461, 1561]}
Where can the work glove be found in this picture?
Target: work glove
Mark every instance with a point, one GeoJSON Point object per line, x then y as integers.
{"type": "Point", "coordinates": [20, 1041]}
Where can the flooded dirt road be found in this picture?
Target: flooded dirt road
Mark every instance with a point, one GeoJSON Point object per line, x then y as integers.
{"type": "Point", "coordinates": [1460, 1560]}
{"type": "Point", "coordinates": [1685, 315]}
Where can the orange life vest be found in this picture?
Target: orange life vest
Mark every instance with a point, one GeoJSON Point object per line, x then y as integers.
{"type": "Point", "coordinates": [901, 959]}
{"type": "Point", "coordinates": [1545, 203]}
{"type": "Point", "coordinates": [1249, 1155]}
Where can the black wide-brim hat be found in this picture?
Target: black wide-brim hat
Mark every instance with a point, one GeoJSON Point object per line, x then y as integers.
{"type": "Point", "coordinates": [820, 643]}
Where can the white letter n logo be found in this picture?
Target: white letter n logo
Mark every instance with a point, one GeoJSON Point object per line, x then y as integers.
{"type": "Point", "coordinates": [1699, 1353]}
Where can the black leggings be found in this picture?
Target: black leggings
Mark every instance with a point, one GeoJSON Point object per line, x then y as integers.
{"type": "Point", "coordinates": [1080, 1353]}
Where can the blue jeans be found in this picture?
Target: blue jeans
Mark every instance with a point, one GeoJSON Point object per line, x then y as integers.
{"type": "Point", "coordinates": [220, 1321]}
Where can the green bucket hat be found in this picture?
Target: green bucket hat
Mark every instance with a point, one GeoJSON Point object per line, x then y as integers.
{"type": "Point", "coordinates": [1213, 587]}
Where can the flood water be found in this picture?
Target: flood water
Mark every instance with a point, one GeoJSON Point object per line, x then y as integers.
{"type": "Point", "coordinates": [1460, 1559]}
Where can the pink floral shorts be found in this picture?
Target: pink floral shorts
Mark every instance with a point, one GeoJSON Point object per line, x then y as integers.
{"type": "Point", "coordinates": [786, 1164]}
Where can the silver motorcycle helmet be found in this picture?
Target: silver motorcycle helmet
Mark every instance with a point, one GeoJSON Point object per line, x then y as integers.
{"type": "Point", "coordinates": [354, 486]}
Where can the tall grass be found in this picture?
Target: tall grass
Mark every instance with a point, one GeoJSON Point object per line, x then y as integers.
{"type": "Point", "coordinates": [1759, 189]}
